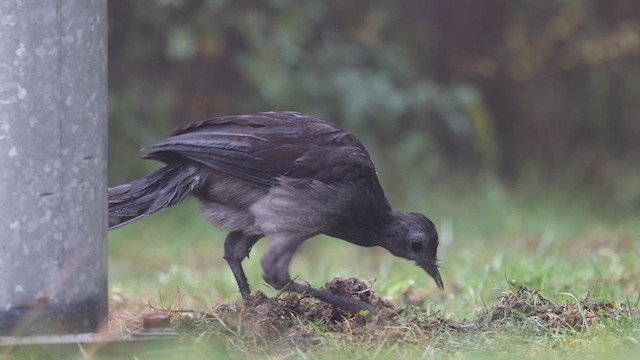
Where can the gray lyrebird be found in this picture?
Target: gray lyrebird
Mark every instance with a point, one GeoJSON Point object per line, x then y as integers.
{"type": "Point", "coordinates": [282, 175]}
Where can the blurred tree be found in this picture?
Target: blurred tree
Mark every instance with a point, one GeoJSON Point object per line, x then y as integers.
{"type": "Point", "coordinates": [526, 87]}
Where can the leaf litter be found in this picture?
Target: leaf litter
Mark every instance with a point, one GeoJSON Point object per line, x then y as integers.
{"type": "Point", "coordinates": [293, 321]}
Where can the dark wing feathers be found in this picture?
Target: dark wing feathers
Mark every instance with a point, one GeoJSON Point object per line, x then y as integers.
{"type": "Point", "coordinates": [260, 148]}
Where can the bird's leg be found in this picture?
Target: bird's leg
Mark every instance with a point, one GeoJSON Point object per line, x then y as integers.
{"type": "Point", "coordinates": [237, 246]}
{"type": "Point", "coordinates": [275, 270]}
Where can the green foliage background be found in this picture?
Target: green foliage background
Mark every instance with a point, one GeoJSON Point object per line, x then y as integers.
{"type": "Point", "coordinates": [539, 91]}
{"type": "Point", "coordinates": [513, 124]}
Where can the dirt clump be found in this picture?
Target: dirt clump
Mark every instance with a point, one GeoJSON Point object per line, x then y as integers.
{"type": "Point", "coordinates": [264, 318]}
{"type": "Point", "coordinates": [327, 314]}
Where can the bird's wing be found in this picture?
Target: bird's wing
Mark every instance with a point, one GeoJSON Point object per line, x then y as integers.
{"type": "Point", "coordinates": [332, 188]}
{"type": "Point", "coordinates": [260, 149]}
{"type": "Point", "coordinates": [329, 189]}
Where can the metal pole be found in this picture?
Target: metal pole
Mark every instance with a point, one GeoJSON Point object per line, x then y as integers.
{"type": "Point", "coordinates": [53, 132]}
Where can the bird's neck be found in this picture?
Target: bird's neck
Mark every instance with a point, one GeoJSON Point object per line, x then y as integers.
{"type": "Point", "coordinates": [393, 230]}
{"type": "Point", "coordinates": [376, 231]}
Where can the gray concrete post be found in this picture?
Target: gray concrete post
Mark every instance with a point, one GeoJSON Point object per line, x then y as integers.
{"type": "Point", "coordinates": [53, 133]}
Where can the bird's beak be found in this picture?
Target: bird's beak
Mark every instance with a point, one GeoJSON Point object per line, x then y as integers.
{"type": "Point", "coordinates": [432, 269]}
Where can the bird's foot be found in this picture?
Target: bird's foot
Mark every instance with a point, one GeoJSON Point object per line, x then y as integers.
{"type": "Point", "coordinates": [349, 304]}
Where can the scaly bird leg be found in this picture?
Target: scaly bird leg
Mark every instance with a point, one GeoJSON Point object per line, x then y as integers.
{"type": "Point", "coordinates": [237, 246]}
{"type": "Point", "coordinates": [275, 270]}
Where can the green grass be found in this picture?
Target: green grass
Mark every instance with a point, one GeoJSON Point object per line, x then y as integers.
{"type": "Point", "coordinates": [567, 246]}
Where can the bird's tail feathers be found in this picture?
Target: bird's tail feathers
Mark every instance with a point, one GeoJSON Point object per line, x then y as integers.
{"type": "Point", "coordinates": [159, 190]}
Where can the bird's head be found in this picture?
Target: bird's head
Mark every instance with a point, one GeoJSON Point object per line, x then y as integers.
{"type": "Point", "coordinates": [414, 237]}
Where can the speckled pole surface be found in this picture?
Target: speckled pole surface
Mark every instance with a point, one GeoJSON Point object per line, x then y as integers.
{"type": "Point", "coordinates": [53, 133]}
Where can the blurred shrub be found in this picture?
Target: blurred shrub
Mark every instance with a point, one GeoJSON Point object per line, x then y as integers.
{"type": "Point", "coordinates": [544, 89]}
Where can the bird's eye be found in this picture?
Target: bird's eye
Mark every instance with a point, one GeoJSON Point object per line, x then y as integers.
{"type": "Point", "coordinates": [416, 245]}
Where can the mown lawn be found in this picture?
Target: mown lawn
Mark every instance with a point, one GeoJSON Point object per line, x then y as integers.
{"type": "Point", "coordinates": [527, 273]}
